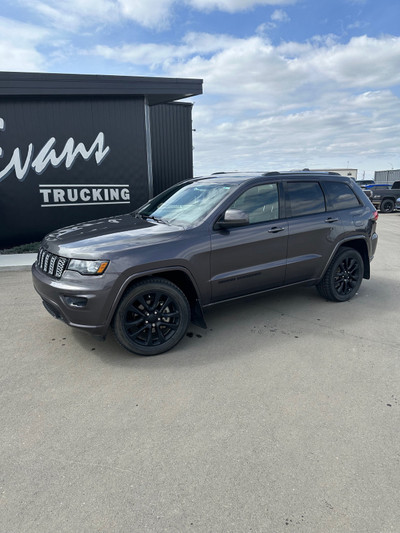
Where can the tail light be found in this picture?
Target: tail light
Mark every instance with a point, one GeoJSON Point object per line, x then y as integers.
{"type": "Point", "coordinates": [375, 216]}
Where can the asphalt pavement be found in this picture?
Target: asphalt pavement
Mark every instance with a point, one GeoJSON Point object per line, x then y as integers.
{"type": "Point", "coordinates": [282, 416]}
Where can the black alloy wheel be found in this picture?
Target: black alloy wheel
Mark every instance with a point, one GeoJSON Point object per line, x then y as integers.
{"type": "Point", "coordinates": [343, 277]}
{"type": "Point", "coordinates": [387, 206]}
{"type": "Point", "coordinates": [152, 317]}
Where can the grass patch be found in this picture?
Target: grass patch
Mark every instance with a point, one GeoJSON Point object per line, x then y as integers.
{"type": "Point", "coordinates": [30, 248]}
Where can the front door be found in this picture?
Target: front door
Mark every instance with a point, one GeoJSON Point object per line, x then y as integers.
{"type": "Point", "coordinates": [250, 258]}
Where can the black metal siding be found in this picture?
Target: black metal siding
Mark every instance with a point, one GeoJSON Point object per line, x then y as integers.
{"type": "Point", "coordinates": [156, 90]}
{"type": "Point", "coordinates": [42, 114]}
{"type": "Point", "coordinates": [171, 141]}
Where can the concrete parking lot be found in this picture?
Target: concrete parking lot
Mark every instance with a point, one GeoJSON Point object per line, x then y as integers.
{"type": "Point", "coordinates": [283, 416]}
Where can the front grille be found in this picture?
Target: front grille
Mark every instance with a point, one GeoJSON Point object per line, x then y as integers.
{"type": "Point", "coordinates": [51, 264]}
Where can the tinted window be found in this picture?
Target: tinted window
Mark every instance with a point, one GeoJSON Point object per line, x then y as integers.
{"type": "Point", "coordinates": [339, 196]}
{"type": "Point", "coordinates": [261, 203]}
{"type": "Point", "coordinates": [305, 198]}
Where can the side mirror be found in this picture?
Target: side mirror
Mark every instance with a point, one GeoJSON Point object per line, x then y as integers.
{"type": "Point", "coordinates": [233, 218]}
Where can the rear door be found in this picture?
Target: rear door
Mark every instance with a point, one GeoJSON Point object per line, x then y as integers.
{"type": "Point", "coordinates": [313, 231]}
{"type": "Point", "coordinates": [251, 258]}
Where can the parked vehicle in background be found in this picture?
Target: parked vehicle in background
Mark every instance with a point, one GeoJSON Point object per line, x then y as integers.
{"type": "Point", "coordinates": [202, 242]}
{"type": "Point", "coordinates": [397, 205]}
{"type": "Point", "coordinates": [364, 183]}
{"type": "Point", "coordinates": [367, 192]}
{"type": "Point", "coordinates": [385, 199]}
{"type": "Point", "coordinates": [378, 186]}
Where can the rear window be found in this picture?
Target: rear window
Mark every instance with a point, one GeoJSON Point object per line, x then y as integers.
{"type": "Point", "coordinates": [305, 198]}
{"type": "Point", "coordinates": [339, 196]}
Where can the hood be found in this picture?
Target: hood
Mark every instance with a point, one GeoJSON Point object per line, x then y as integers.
{"type": "Point", "coordinates": [98, 239]}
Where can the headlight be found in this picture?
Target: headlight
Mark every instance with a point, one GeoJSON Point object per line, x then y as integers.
{"type": "Point", "coordinates": [91, 268]}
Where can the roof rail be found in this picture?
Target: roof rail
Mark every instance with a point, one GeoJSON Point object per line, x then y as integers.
{"type": "Point", "coordinates": [273, 173]}
{"type": "Point", "coordinates": [237, 172]}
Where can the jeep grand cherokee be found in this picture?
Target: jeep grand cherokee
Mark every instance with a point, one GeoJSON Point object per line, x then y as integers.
{"type": "Point", "coordinates": [204, 241]}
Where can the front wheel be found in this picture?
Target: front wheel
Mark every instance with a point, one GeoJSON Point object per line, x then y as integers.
{"type": "Point", "coordinates": [387, 206]}
{"type": "Point", "coordinates": [343, 277]}
{"type": "Point", "coordinates": [152, 317]}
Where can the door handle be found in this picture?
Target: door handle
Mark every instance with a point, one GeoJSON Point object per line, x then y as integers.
{"type": "Point", "coordinates": [275, 229]}
{"type": "Point", "coordinates": [330, 220]}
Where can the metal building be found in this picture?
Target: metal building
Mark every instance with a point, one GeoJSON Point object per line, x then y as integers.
{"type": "Point", "coordinates": [387, 176]}
{"type": "Point", "coordinates": [81, 147]}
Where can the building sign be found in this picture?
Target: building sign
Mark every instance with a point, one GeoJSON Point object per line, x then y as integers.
{"type": "Point", "coordinates": [64, 161]}
{"type": "Point", "coordinates": [48, 156]}
{"type": "Point", "coordinates": [82, 195]}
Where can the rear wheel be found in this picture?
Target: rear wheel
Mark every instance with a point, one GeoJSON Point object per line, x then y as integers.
{"type": "Point", "coordinates": [343, 277]}
{"type": "Point", "coordinates": [387, 206]}
{"type": "Point", "coordinates": [152, 317]}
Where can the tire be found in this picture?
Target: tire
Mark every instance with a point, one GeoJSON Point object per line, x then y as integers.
{"type": "Point", "coordinates": [387, 206]}
{"type": "Point", "coordinates": [343, 277]}
{"type": "Point", "coordinates": [152, 317]}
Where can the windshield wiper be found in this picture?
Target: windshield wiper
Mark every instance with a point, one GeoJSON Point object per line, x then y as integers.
{"type": "Point", "coordinates": [151, 217]}
{"type": "Point", "coordinates": [156, 219]}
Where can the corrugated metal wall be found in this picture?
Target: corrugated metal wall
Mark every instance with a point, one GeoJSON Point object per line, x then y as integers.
{"type": "Point", "coordinates": [382, 176]}
{"type": "Point", "coordinates": [171, 140]}
{"type": "Point", "coordinates": [38, 131]}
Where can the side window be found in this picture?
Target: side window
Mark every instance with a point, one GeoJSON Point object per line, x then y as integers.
{"type": "Point", "coordinates": [305, 198]}
{"type": "Point", "coordinates": [261, 203]}
{"type": "Point", "coordinates": [339, 196]}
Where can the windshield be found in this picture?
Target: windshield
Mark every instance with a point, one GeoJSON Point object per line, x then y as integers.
{"type": "Point", "coordinates": [187, 205]}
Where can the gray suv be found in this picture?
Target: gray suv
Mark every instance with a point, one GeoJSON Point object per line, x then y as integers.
{"type": "Point", "coordinates": [204, 241]}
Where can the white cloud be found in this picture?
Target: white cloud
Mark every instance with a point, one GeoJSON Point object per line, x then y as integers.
{"type": "Point", "coordinates": [279, 15]}
{"type": "Point", "coordinates": [233, 6]}
{"type": "Point", "coordinates": [18, 46]}
{"type": "Point", "coordinates": [234, 66]}
{"type": "Point", "coordinates": [359, 130]}
{"type": "Point", "coordinates": [363, 62]}
{"type": "Point", "coordinates": [254, 65]}
{"type": "Point", "coordinates": [150, 13]}
{"type": "Point", "coordinates": [75, 14]}
{"type": "Point", "coordinates": [72, 15]}
{"type": "Point", "coordinates": [164, 55]}
{"type": "Point", "coordinates": [315, 104]}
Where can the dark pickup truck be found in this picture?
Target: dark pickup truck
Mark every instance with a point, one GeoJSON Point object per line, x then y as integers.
{"type": "Point", "coordinates": [385, 199]}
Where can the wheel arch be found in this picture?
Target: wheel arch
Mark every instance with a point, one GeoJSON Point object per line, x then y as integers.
{"type": "Point", "coordinates": [360, 245]}
{"type": "Point", "coordinates": [178, 277]}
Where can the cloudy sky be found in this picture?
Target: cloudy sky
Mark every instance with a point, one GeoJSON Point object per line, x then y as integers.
{"type": "Point", "coordinates": [287, 83]}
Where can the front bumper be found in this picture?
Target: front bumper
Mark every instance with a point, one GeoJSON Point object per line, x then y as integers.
{"type": "Point", "coordinates": [83, 302]}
